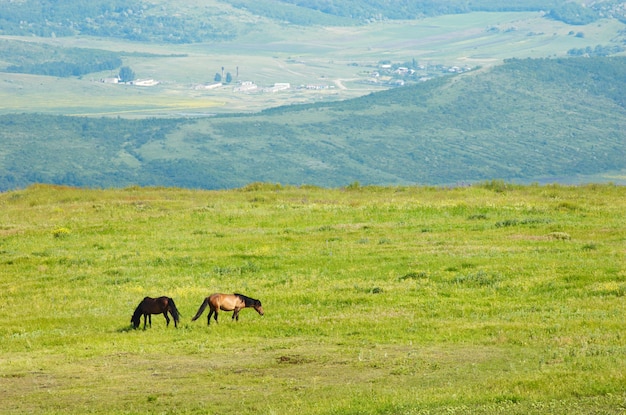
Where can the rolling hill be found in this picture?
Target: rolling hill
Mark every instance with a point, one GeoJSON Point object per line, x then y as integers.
{"type": "Point", "coordinates": [529, 120]}
{"type": "Point", "coordinates": [190, 22]}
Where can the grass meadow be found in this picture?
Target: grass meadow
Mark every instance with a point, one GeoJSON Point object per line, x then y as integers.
{"type": "Point", "coordinates": [488, 299]}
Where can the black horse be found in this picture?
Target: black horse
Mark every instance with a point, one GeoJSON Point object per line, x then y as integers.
{"type": "Point", "coordinates": [149, 306]}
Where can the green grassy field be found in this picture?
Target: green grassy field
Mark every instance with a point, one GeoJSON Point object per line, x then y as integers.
{"type": "Point", "coordinates": [402, 300]}
{"type": "Point", "coordinates": [338, 57]}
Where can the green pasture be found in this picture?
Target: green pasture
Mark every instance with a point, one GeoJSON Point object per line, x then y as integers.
{"type": "Point", "coordinates": [488, 299]}
{"type": "Point", "coordinates": [339, 57]}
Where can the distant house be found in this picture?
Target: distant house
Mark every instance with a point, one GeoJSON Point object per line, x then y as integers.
{"type": "Point", "coordinates": [316, 87]}
{"type": "Point", "coordinates": [114, 80]}
{"type": "Point", "coordinates": [404, 71]}
{"type": "Point", "coordinates": [209, 86]}
{"type": "Point", "coordinates": [282, 85]}
{"type": "Point", "coordinates": [279, 86]}
{"type": "Point", "coordinates": [246, 86]}
{"type": "Point", "coordinates": [144, 82]}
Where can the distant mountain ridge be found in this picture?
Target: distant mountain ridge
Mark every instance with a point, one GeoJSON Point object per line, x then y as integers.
{"type": "Point", "coordinates": [527, 120]}
{"type": "Point", "coordinates": [181, 22]}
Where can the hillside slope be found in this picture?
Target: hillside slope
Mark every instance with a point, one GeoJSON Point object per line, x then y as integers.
{"type": "Point", "coordinates": [527, 120]}
{"type": "Point", "coordinates": [219, 20]}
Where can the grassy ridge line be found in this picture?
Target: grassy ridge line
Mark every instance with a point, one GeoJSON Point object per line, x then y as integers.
{"type": "Point", "coordinates": [487, 299]}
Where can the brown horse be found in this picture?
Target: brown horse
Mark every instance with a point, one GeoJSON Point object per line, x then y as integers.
{"type": "Point", "coordinates": [149, 306]}
{"type": "Point", "coordinates": [227, 302]}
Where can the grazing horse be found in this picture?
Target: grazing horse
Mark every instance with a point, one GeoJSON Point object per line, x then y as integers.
{"type": "Point", "coordinates": [227, 302]}
{"type": "Point", "coordinates": [149, 306]}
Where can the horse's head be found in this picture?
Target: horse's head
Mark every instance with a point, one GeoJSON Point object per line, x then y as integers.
{"type": "Point", "coordinates": [258, 307]}
{"type": "Point", "coordinates": [135, 320]}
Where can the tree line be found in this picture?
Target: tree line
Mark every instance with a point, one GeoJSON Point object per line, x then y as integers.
{"type": "Point", "coordinates": [128, 19]}
{"type": "Point", "coordinates": [568, 12]}
{"type": "Point", "coordinates": [138, 20]}
{"type": "Point", "coordinates": [38, 59]}
{"type": "Point", "coordinates": [66, 69]}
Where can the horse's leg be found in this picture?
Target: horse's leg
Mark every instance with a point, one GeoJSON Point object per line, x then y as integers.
{"type": "Point", "coordinates": [208, 319]}
{"type": "Point", "coordinates": [236, 314]}
{"type": "Point", "coordinates": [145, 319]}
{"type": "Point", "coordinates": [175, 322]}
{"type": "Point", "coordinates": [166, 318]}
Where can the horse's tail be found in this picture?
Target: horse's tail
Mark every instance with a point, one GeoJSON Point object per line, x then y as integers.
{"type": "Point", "coordinates": [201, 309]}
{"type": "Point", "coordinates": [173, 310]}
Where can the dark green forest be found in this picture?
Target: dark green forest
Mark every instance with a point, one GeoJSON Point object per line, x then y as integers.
{"type": "Point", "coordinates": [567, 11]}
{"type": "Point", "coordinates": [529, 120]}
{"type": "Point", "coordinates": [412, 9]}
{"type": "Point", "coordinates": [134, 20]}
{"type": "Point", "coordinates": [48, 60]}
{"type": "Point", "coordinates": [37, 59]}
{"type": "Point", "coordinates": [139, 20]}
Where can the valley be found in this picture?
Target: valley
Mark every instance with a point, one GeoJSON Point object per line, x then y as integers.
{"type": "Point", "coordinates": [320, 64]}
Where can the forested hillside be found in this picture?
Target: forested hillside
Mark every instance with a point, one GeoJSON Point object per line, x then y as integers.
{"type": "Point", "coordinates": [571, 12]}
{"type": "Point", "coordinates": [49, 60]}
{"type": "Point", "coordinates": [527, 120]}
{"type": "Point", "coordinates": [180, 22]}
{"type": "Point", "coordinates": [567, 11]}
{"type": "Point", "coordinates": [33, 58]}
{"type": "Point", "coordinates": [134, 20]}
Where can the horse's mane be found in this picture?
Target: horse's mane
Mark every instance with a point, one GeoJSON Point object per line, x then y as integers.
{"type": "Point", "coordinates": [250, 302]}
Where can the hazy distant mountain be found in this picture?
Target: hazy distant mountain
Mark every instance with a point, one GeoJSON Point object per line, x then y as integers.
{"type": "Point", "coordinates": [526, 120]}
